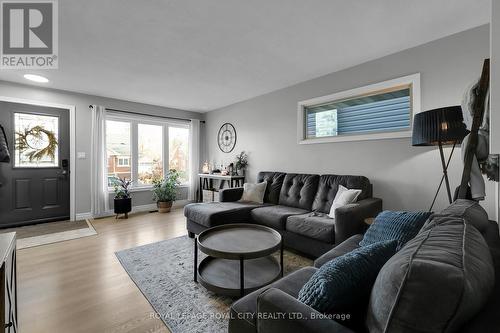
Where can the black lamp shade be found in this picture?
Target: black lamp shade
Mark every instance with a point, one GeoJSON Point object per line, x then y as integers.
{"type": "Point", "coordinates": [443, 125]}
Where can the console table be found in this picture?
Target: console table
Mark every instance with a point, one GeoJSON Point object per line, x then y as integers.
{"type": "Point", "coordinates": [206, 182]}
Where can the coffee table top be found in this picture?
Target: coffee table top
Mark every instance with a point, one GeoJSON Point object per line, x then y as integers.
{"type": "Point", "coordinates": [239, 241]}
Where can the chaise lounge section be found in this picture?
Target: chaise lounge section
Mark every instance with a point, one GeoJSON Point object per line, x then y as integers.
{"type": "Point", "coordinates": [296, 205]}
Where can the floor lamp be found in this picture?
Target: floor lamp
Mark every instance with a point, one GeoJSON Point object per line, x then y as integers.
{"type": "Point", "coordinates": [440, 127]}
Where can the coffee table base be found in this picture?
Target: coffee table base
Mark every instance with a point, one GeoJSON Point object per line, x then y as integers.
{"type": "Point", "coordinates": [224, 276]}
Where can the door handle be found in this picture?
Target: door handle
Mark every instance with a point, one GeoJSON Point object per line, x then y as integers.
{"type": "Point", "coordinates": [64, 167]}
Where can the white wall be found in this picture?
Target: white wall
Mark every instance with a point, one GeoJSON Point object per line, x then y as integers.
{"type": "Point", "coordinates": [83, 130]}
{"type": "Point", "coordinates": [405, 177]}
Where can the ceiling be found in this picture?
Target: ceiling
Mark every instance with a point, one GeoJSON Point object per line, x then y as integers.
{"type": "Point", "coordinates": [201, 55]}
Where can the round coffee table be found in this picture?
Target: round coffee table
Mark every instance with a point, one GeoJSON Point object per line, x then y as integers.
{"type": "Point", "coordinates": [239, 258]}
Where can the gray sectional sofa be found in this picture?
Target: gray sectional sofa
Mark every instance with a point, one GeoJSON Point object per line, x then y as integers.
{"type": "Point", "coordinates": [446, 279]}
{"type": "Point", "coordinates": [296, 205]}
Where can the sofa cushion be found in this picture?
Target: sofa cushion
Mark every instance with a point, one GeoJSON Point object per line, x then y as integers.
{"type": "Point", "coordinates": [216, 213]}
{"type": "Point", "coordinates": [243, 311]}
{"type": "Point", "coordinates": [401, 226]}
{"type": "Point", "coordinates": [329, 184]}
{"type": "Point", "coordinates": [436, 283]}
{"type": "Point", "coordinates": [469, 210]}
{"type": "Point", "coordinates": [275, 216]}
{"type": "Point", "coordinates": [313, 225]}
{"type": "Point", "coordinates": [350, 244]}
{"type": "Point", "coordinates": [299, 190]}
{"type": "Point", "coordinates": [274, 182]}
{"type": "Point", "coordinates": [346, 281]}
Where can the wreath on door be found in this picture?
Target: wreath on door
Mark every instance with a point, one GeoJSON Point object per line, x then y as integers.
{"type": "Point", "coordinates": [39, 141]}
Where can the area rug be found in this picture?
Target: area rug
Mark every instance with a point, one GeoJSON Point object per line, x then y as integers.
{"type": "Point", "coordinates": [51, 232]}
{"type": "Point", "coordinates": [163, 271]}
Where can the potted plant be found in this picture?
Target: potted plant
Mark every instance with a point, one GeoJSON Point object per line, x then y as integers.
{"type": "Point", "coordinates": [165, 191]}
{"type": "Point", "coordinates": [241, 163]}
{"type": "Point", "coordinates": [123, 201]}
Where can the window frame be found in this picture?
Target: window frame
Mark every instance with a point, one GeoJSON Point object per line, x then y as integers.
{"type": "Point", "coordinates": [134, 122]}
{"type": "Point", "coordinates": [123, 159]}
{"type": "Point", "coordinates": [412, 80]}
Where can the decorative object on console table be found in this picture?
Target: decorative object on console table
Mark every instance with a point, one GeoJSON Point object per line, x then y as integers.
{"type": "Point", "coordinates": [205, 168]}
{"type": "Point", "coordinates": [241, 163]}
{"type": "Point", "coordinates": [440, 127]}
{"type": "Point", "coordinates": [8, 277]}
{"type": "Point", "coordinates": [226, 138]}
{"type": "Point", "coordinates": [123, 201]}
{"type": "Point", "coordinates": [165, 191]}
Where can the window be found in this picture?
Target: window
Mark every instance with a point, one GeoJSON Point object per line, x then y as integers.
{"type": "Point", "coordinates": [178, 151]}
{"type": "Point", "coordinates": [36, 141]}
{"type": "Point", "coordinates": [124, 162]}
{"type": "Point", "coordinates": [382, 110]}
{"type": "Point", "coordinates": [150, 153]}
{"type": "Point", "coordinates": [137, 149]}
{"type": "Point", "coordinates": [118, 148]}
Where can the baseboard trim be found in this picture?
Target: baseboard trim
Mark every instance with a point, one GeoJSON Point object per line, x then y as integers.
{"type": "Point", "coordinates": [83, 216]}
{"type": "Point", "coordinates": [135, 209]}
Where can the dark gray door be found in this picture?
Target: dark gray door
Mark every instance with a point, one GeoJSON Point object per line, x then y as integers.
{"type": "Point", "coordinates": [35, 185]}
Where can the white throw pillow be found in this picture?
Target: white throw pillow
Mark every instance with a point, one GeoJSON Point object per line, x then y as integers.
{"type": "Point", "coordinates": [343, 197]}
{"type": "Point", "coordinates": [254, 192]}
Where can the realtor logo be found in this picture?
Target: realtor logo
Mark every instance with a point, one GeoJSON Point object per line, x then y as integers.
{"type": "Point", "coordinates": [29, 37]}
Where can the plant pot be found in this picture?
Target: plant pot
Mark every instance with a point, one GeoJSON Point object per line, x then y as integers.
{"type": "Point", "coordinates": [123, 206]}
{"type": "Point", "coordinates": [164, 206]}
{"type": "Point", "coordinates": [241, 172]}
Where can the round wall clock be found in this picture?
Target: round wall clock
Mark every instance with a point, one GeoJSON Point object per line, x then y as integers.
{"type": "Point", "coordinates": [226, 138]}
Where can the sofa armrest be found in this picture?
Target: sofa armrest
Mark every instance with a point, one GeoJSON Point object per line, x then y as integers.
{"type": "Point", "coordinates": [350, 219]}
{"type": "Point", "coordinates": [230, 194]}
{"type": "Point", "coordinates": [349, 245]}
{"type": "Point", "coordinates": [279, 312]}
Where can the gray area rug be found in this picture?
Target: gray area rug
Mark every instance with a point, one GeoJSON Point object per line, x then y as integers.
{"type": "Point", "coordinates": [163, 271]}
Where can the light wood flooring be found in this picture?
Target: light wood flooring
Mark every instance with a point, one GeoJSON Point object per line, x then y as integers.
{"type": "Point", "coordinates": [79, 285]}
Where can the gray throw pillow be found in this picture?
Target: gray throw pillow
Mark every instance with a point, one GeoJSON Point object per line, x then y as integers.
{"type": "Point", "coordinates": [436, 283]}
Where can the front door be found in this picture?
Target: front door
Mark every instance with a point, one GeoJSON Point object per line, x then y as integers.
{"type": "Point", "coordinates": [34, 186]}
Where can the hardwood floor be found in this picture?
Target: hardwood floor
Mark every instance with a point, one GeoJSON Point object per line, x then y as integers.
{"type": "Point", "coordinates": [79, 285]}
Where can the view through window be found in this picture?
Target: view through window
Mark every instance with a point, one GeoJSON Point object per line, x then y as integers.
{"type": "Point", "coordinates": [178, 150]}
{"type": "Point", "coordinates": [118, 150]}
{"type": "Point", "coordinates": [144, 161]}
{"type": "Point", "coordinates": [150, 153]}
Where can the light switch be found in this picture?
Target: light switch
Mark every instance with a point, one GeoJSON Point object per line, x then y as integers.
{"type": "Point", "coordinates": [81, 155]}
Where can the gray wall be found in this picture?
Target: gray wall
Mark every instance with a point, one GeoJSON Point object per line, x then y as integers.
{"type": "Point", "coordinates": [83, 130]}
{"type": "Point", "coordinates": [405, 177]}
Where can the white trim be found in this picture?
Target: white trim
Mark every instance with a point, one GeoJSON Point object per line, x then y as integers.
{"type": "Point", "coordinates": [413, 79]}
{"type": "Point", "coordinates": [135, 209]}
{"type": "Point", "coordinates": [72, 143]}
{"type": "Point", "coordinates": [84, 216]}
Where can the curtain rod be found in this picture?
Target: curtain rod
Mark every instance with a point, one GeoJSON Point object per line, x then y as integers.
{"type": "Point", "coordinates": [148, 115]}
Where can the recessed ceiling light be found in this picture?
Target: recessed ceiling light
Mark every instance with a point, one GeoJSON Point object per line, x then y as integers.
{"type": "Point", "coordinates": [36, 78]}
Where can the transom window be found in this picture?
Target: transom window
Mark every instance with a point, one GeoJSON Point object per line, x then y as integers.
{"type": "Point", "coordinates": [377, 111]}
{"type": "Point", "coordinates": [144, 150]}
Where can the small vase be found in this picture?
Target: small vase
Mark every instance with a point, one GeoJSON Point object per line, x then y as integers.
{"type": "Point", "coordinates": [164, 206]}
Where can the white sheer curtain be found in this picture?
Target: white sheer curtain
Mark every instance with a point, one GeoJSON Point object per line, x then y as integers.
{"type": "Point", "coordinates": [98, 165]}
{"type": "Point", "coordinates": [194, 157]}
